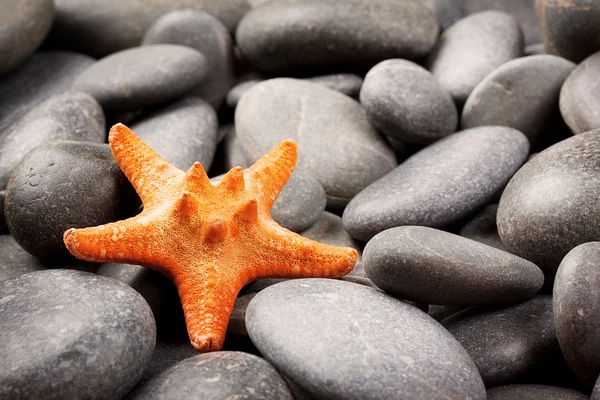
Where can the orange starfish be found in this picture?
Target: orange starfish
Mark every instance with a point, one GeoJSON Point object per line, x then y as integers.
{"type": "Point", "coordinates": [209, 240]}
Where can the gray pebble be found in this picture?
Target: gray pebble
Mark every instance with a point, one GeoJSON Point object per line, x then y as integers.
{"type": "Point", "coordinates": [235, 93]}
{"type": "Point", "coordinates": [349, 84]}
{"type": "Point", "coordinates": [534, 392]}
{"type": "Point", "coordinates": [482, 228]}
{"type": "Point", "coordinates": [14, 261]}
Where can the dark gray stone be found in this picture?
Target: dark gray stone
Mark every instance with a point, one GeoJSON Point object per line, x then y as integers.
{"type": "Point", "coordinates": [68, 116]}
{"type": "Point", "coordinates": [579, 100]}
{"type": "Point", "coordinates": [104, 27]}
{"type": "Point", "coordinates": [216, 376]}
{"type": "Point", "coordinates": [507, 344]}
{"type": "Point", "coordinates": [596, 392]}
{"type": "Point", "coordinates": [205, 33]}
{"type": "Point", "coordinates": [25, 24]}
{"type": "Point", "coordinates": [577, 310]}
{"type": "Point", "coordinates": [441, 184]}
{"type": "Point", "coordinates": [296, 34]}
{"type": "Point", "coordinates": [430, 266]}
{"type": "Point", "coordinates": [548, 207]}
{"type": "Point", "coordinates": [471, 49]}
{"type": "Point", "coordinates": [336, 142]}
{"type": "Point", "coordinates": [404, 101]}
{"type": "Point", "coordinates": [534, 392]}
{"type": "Point", "coordinates": [482, 228]}
{"type": "Point", "coordinates": [14, 261]}
{"type": "Point", "coordinates": [570, 29]}
{"type": "Point", "coordinates": [341, 340]}
{"type": "Point", "coordinates": [71, 334]}
{"type": "Point", "coordinates": [62, 185]}
{"type": "Point", "coordinates": [141, 77]}
{"type": "Point", "coordinates": [237, 320]}
{"type": "Point", "coordinates": [349, 84]}
{"type": "Point", "coordinates": [440, 313]}
{"type": "Point", "coordinates": [521, 93]}
{"type": "Point", "coordinates": [182, 133]}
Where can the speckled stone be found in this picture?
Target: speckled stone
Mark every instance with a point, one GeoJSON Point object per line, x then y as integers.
{"type": "Point", "coordinates": [182, 133]}
{"type": "Point", "coordinates": [15, 261]}
{"type": "Point", "coordinates": [68, 116]}
{"type": "Point", "coordinates": [521, 93]}
{"type": "Point", "coordinates": [62, 185]}
{"type": "Point", "coordinates": [25, 24]}
{"type": "Point", "coordinates": [205, 33]}
{"type": "Point", "coordinates": [577, 310]}
{"type": "Point", "coordinates": [338, 339]}
{"type": "Point", "coordinates": [579, 100]}
{"type": "Point", "coordinates": [472, 48]}
{"type": "Point", "coordinates": [349, 84]}
{"type": "Point", "coordinates": [297, 34]}
{"type": "Point", "coordinates": [141, 77]}
{"type": "Point", "coordinates": [404, 101]}
{"type": "Point", "coordinates": [570, 29]}
{"type": "Point", "coordinates": [441, 184]}
{"type": "Point", "coordinates": [215, 376]}
{"type": "Point", "coordinates": [548, 207]}
{"type": "Point", "coordinates": [482, 228]}
{"type": "Point", "coordinates": [508, 343]}
{"type": "Point", "coordinates": [71, 334]}
{"type": "Point", "coordinates": [315, 117]}
{"type": "Point", "coordinates": [534, 392]}
{"type": "Point", "coordinates": [430, 266]}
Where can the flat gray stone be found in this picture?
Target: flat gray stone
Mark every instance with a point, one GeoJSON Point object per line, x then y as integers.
{"type": "Point", "coordinates": [15, 261]}
{"type": "Point", "coordinates": [441, 184]}
{"type": "Point", "coordinates": [298, 34]}
{"type": "Point", "coordinates": [548, 207]}
{"type": "Point", "coordinates": [521, 93]}
{"type": "Point", "coordinates": [336, 143]}
{"type": "Point", "coordinates": [472, 48]}
{"type": "Point", "coordinates": [430, 266]}
{"type": "Point", "coordinates": [71, 334]}
{"type": "Point", "coordinates": [216, 376]}
{"type": "Point", "coordinates": [338, 339]}
{"type": "Point", "coordinates": [404, 101]}
{"type": "Point", "coordinates": [482, 228]}
{"type": "Point", "coordinates": [140, 77]}
{"type": "Point", "coordinates": [534, 392]}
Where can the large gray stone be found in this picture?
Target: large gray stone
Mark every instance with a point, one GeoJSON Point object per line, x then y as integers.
{"type": "Point", "coordinates": [72, 335]}
{"type": "Point", "coordinates": [340, 340]}
{"type": "Point", "coordinates": [534, 392]}
{"type": "Point", "coordinates": [14, 261]}
{"type": "Point", "coordinates": [441, 184]}
{"type": "Point", "coordinates": [482, 228]}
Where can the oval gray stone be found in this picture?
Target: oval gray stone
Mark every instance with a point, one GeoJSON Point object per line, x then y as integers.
{"type": "Point", "coordinates": [534, 392]}
{"type": "Point", "coordinates": [548, 207]}
{"type": "Point", "coordinates": [71, 334]}
{"type": "Point", "coordinates": [15, 261]}
{"type": "Point", "coordinates": [336, 142]}
{"type": "Point", "coordinates": [338, 339]}
{"type": "Point", "coordinates": [472, 48]}
{"type": "Point", "coordinates": [404, 101]}
{"type": "Point", "coordinates": [521, 93]}
{"type": "Point", "coordinates": [140, 77]}
{"type": "Point", "coordinates": [579, 100]}
{"type": "Point", "coordinates": [482, 228]}
{"type": "Point", "coordinates": [296, 34]}
{"type": "Point", "coordinates": [430, 266]}
{"type": "Point", "coordinates": [441, 184]}
{"type": "Point", "coordinates": [68, 116]}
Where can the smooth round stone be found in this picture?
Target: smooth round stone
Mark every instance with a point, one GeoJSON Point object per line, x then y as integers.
{"type": "Point", "coordinates": [579, 100]}
{"type": "Point", "coordinates": [548, 207]}
{"type": "Point", "coordinates": [341, 340]}
{"type": "Point", "coordinates": [349, 84]}
{"type": "Point", "coordinates": [441, 184]}
{"type": "Point", "coordinates": [577, 310]}
{"type": "Point", "coordinates": [315, 117]}
{"type": "Point", "coordinates": [62, 185]}
{"type": "Point", "coordinates": [208, 35]}
{"type": "Point", "coordinates": [112, 25]}
{"type": "Point", "coordinates": [297, 34]}
{"type": "Point", "coordinates": [472, 48]}
{"type": "Point", "coordinates": [215, 376]}
{"type": "Point", "coordinates": [534, 392]}
{"type": "Point", "coordinates": [15, 261]}
{"type": "Point", "coordinates": [71, 334]}
{"type": "Point", "coordinates": [521, 93]}
{"type": "Point", "coordinates": [182, 133]}
{"type": "Point", "coordinates": [430, 266]}
{"type": "Point", "coordinates": [482, 228]}
{"type": "Point", "coordinates": [68, 116]}
{"type": "Point", "coordinates": [506, 344]}
{"type": "Point", "coordinates": [404, 101]}
{"type": "Point", "coordinates": [25, 24]}
{"type": "Point", "coordinates": [140, 77]}
{"type": "Point", "coordinates": [570, 29]}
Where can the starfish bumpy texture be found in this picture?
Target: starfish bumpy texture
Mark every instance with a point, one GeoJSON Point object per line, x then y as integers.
{"type": "Point", "coordinates": [210, 240]}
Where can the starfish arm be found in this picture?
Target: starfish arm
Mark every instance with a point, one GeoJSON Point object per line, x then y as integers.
{"type": "Point", "coordinates": [150, 174]}
{"type": "Point", "coordinates": [267, 176]}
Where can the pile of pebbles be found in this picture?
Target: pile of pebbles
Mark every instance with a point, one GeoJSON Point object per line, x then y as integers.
{"type": "Point", "coordinates": [454, 143]}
